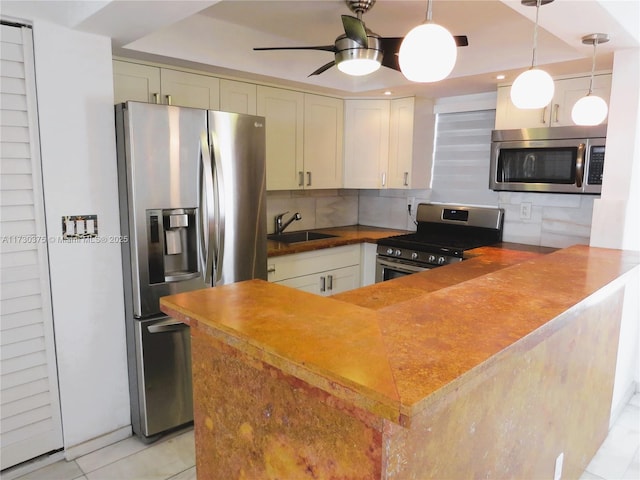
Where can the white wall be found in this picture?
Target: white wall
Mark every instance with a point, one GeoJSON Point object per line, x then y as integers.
{"type": "Point", "coordinates": [75, 103]}
{"type": "Point", "coordinates": [616, 223]}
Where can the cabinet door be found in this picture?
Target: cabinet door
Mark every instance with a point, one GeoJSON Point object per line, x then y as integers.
{"type": "Point", "coordinates": [190, 89]}
{"type": "Point", "coordinates": [400, 143]}
{"type": "Point", "coordinates": [509, 116]}
{"type": "Point", "coordinates": [323, 132]}
{"type": "Point", "coordinates": [569, 91]}
{"type": "Point", "coordinates": [133, 81]}
{"type": "Point", "coordinates": [366, 143]}
{"type": "Point", "coordinates": [238, 97]}
{"type": "Point", "coordinates": [284, 110]}
{"type": "Point", "coordinates": [342, 279]}
{"type": "Point", "coordinates": [306, 283]}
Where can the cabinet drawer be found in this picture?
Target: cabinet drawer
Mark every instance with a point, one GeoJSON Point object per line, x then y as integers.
{"type": "Point", "coordinates": [306, 263]}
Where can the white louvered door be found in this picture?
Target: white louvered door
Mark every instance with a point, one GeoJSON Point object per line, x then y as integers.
{"type": "Point", "coordinates": [30, 423]}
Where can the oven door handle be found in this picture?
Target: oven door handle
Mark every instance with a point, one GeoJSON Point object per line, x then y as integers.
{"type": "Point", "coordinates": [400, 266]}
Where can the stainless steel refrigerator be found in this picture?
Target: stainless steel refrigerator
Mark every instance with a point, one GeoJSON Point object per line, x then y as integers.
{"type": "Point", "coordinates": [193, 206]}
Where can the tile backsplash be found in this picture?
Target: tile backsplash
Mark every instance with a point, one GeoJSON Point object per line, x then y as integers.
{"type": "Point", "coordinates": [319, 208]}
{"type": "Point", "coordinates": [556, 220]}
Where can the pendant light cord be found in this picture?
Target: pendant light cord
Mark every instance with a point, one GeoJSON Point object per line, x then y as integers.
{"type": "Point", "coordinates": [593, 66]}
{"type": "Point", "coordinates": [429, 11]}
{"type": "Point", "coordinates": [535, 35]}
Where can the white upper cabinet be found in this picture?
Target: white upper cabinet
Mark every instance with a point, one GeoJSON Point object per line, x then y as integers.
{"type": "Point", "coordinates": [132, 81]}
{"type": "Point", "coordinates": [284, 113]}
{"type": "Point", "coordinates": [558, 113]}
{"type": "Point", "coordinates": [145, 83]}
{"type": "Point", "coordinates": [366, 143]}
{"type": "Point", "coordinates": [304, 139]}
{"type": "Point", "coordinates": [379, 144]}
{"type": "Point", "coordinates": [189, 89]}
{"type": "Point", "coordinates": [238, 97]}
{"type": "Point", "coordinates": [401, 143]}
{"type": "Point", "coordinates": [323, 133]}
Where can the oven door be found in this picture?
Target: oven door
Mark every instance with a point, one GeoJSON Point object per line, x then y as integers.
{"type": "Point", "coordinates": [390, 268]}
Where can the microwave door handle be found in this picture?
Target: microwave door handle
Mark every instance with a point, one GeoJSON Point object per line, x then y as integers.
{"type": "Point", "coordinates": [580, 165]}
{"type": "Point", "coordinates": [207, 200]}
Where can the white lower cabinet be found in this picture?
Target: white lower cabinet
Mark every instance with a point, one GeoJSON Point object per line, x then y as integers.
{"type": "Point", "coordinates": [324, 272]}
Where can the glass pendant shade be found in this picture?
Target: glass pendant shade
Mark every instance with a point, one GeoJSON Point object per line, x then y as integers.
{"type": "Point", "coordinates": [359, 66]}
{"type": "Point", "coordinates": [532, 89]}
{"type": "Point", "coordinates": [589, 110]}
{"type": "Point", "coordinates": [428, 53]}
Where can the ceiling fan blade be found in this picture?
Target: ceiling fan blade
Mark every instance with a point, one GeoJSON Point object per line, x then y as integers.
{"type": "Point", "coordinates": [390, 47]}
{"type": "Point", "coordinates": [354, 29]}
{"type": "Point", "coordinates": [461, 40]}
{"type": "Point", "coordinates": [323, 68]}
{"type": "Point", "coordinates": [326, 48]}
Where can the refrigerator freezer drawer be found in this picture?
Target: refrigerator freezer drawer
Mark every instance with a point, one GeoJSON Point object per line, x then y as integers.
{"type": "Point", "coordinates": [164, 375]}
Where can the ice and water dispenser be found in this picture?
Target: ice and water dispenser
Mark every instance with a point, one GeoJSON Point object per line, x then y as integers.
{"type": "Point", "coordinates": [173, 245]}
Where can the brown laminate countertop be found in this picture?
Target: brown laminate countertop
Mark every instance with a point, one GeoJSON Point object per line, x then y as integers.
{"type": "Point", "coordinates": [397, 347]}
{"type": "Point", "coordinates": [344, 236]}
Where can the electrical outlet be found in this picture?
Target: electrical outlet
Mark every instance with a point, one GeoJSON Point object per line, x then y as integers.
{"type": "Point", "coordinates": [557, 473]}
{"type": "Point", "coordinates": [411, 203]}
{"type": "Point", "coordinates": [525, 210]}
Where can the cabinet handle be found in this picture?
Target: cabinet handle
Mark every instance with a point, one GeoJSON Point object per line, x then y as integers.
{"type": "Point", "coordinates": [323, 284]}
{"type": "Point", "coordinates": [544, 115]}
{"type": "Point", "coordinates": [271, 269]}
{"type": "Point", "coordinates": [556, 107]}
{"type": "Point", "coordinates": [308, 179]}
{"type": "Point", "coordinates": [300, 179]}
{"type": "Point", "coordinates": [384, 179]}
{"type": "Point", "coordinates": [168, 97]}
{"type": "Point", "coordinates": [406, 179]}
{"type": "Point", "coordinates": [330, 282]}
{"type": "Point", "coordinates": [156, 97]}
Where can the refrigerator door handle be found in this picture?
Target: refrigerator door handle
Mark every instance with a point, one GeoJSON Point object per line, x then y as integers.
{"type": "Point", "coordinates": [207, 203]}
{"type": "Point", "coordinates": [218, 185]}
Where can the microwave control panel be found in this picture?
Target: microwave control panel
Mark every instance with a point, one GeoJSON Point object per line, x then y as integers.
{"type": "Point", "coordinates": [596, 165]}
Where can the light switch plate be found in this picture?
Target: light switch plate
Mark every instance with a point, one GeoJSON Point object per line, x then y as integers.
{"type": "Point", "coordinates": [79, 226]}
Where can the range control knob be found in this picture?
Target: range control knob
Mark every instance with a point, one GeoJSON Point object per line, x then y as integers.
{"type": "Point", "coordinates": [389, 251]}
{"type": "Point", "coordinates": [441, 260]}
{"type": "Point", "coordinates": [397, 253]}
{"type": "Point", "coordinates": [432, 258]}
{"type": "Point", "coordinates": [414, 256]}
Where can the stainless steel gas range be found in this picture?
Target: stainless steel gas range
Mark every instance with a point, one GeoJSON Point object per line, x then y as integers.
{"type": "Point", "coordinates": [444, 232]}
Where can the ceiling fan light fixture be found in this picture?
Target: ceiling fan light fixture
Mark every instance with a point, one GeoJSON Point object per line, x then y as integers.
{"type": "Point", "coordinates": [428, 53]}
{"type": "Point", "coordinates": [355, 60]}
{"type": "Point", "coordinates": [591, 110]}
{"type": "Point", "coordinates": [358, 67]}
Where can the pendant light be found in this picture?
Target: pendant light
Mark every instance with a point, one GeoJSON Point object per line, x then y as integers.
{"type": "Point", "coordinates": [591, 109]}
{"type": "Point", "coordinates": [428, 52]}
{"type": "Point", "coordinates": [533, 88]}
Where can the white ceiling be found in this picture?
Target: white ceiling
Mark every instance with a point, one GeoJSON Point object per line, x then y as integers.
{"type": "Point", "coordinates": [219, 36]}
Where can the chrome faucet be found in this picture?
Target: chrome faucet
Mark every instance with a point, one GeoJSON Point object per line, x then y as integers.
{"type": "Point", "coordinates": [279, 227]}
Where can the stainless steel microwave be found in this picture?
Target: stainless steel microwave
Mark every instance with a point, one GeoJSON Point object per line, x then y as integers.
{"type": "Point", "coordinates": [551, 160]}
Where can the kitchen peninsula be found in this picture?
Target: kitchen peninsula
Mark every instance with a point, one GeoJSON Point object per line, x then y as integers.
{"type": "Point", "coordinates": [492, 367]}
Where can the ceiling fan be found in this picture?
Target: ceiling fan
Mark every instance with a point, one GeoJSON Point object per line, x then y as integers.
{"type": "Point", "coordinates": [360, 51]}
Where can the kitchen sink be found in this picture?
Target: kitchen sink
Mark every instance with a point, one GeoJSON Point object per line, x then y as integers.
{"type": "Point", "coordinates": [297, 237]}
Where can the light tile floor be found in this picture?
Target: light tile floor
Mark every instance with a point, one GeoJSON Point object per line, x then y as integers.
{"type": "Point", "coordinates": [173, 458]}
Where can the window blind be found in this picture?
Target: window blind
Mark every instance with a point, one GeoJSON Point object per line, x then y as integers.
{"type": "Point", "coordinates": [461, 158]}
